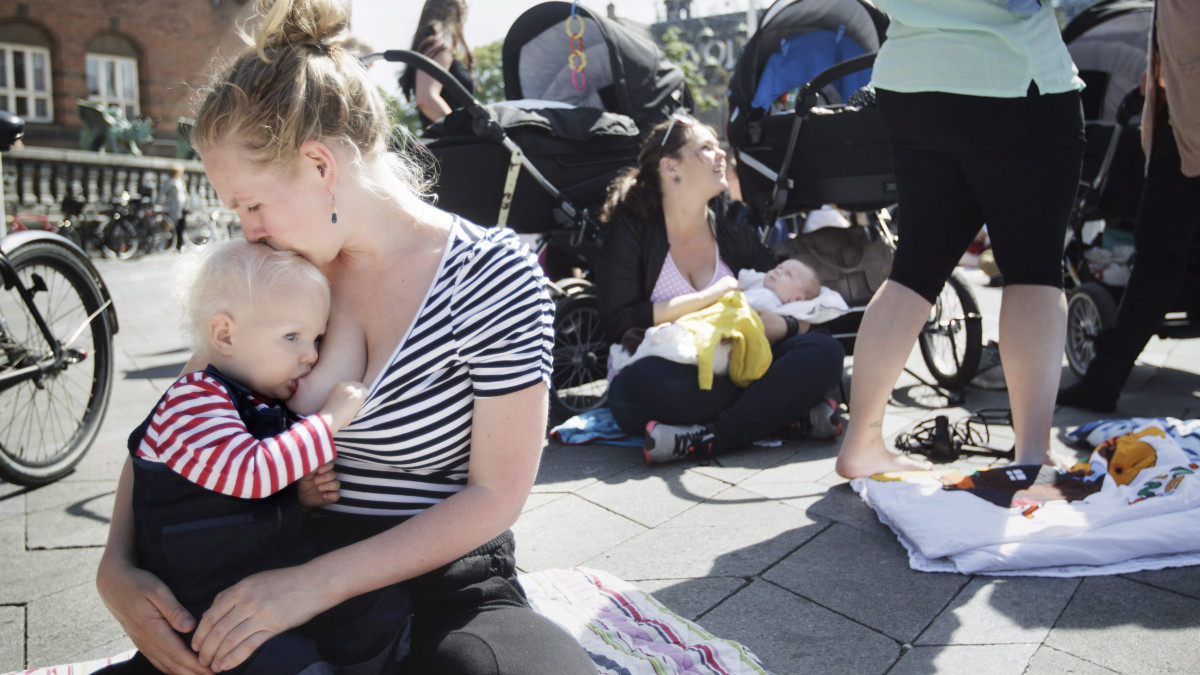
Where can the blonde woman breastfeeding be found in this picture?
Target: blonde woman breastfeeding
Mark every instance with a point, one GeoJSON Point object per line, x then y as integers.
{"type": "Point", "coordinates": [448, 324]}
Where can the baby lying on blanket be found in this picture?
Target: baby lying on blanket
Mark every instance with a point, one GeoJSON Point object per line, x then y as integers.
{"type": "Point", "coordinates": [791, 288]}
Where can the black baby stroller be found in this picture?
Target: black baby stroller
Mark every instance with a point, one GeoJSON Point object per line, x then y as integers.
{"type": "Point", "coordinates": [806, 134]}
{"type": "Point", "coordinates": [1107, 41]}
{"type": "Point", "coordinates": [541, 161]}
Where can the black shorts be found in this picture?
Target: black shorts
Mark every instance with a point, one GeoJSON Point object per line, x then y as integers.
{"type": "Point", "coordinates": [965, 161]}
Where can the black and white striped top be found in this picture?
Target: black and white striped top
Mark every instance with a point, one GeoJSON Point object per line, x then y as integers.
{"type": "Point", "coordinates": [485, 328]}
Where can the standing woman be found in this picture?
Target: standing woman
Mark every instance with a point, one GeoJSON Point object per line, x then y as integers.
{"type": "Point", "coordinates": [449, 324]}
{"type": "Point", "coordinates": [981, 101]}
{"type": "Point", "coordinates": [666, 254]}
{"type": "Point", "coordinates": [440, 37]}
{"type": "Point", "coordinates": [174, 198]}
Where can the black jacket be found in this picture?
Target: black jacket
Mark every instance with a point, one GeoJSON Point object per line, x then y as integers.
{"type": "Point", "coordinates": [634, 253]}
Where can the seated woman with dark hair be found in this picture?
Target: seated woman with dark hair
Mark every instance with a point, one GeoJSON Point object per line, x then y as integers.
{"type": "Point", "coordinates": [666, 255]}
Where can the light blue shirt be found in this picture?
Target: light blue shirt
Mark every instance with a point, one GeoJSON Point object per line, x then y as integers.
{"type": "Point", "coordinates": [972, 47]}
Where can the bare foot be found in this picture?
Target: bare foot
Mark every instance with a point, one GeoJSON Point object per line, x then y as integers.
{"type": "Point", "coordinates": [875, 459]}
{"type": "Point", "coordinates": [1062, 462]}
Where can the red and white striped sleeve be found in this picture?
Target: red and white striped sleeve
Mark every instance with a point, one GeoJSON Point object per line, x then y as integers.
{"type": "Point", "coordinates": [196, 430]}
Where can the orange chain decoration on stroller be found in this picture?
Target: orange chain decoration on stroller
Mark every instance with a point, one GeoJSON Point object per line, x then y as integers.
{"type": "Point", "coordinates": [577, 61]}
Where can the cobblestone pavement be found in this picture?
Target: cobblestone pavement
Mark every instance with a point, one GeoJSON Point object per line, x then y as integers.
{"type": "Point", "coordinates": [771, 548]}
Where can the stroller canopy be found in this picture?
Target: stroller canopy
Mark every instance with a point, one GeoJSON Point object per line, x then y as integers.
{"type": "Point", "coordinates": [1107, 41]}
{"type": "Point", "coordinates": [797, 39]}
{"type": "Point", "coordinates": [625, 72]}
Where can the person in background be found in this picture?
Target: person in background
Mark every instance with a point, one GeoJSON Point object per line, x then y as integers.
{"type": "Point", "coordinates": [174, 198]}
{"type": "Point", "coordinates": [1169, 212]}
{"type": "Point", "coordinates": [1005, 149]}
{"type": "Point", "coordinates": [667, 255]}
{"type": "Point", "coordinates": [440, 37]}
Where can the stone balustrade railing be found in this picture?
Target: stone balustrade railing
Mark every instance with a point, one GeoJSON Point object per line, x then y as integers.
{"type": "Point", "coordinates": [37, 178]}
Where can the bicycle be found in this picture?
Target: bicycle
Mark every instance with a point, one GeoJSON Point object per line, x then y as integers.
{"type": "Point", "coordinates": [134, 223]}
{"type": "Point", "coordinates": [57, 324]}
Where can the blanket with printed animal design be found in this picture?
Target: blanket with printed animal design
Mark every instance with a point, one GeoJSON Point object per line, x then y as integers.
{"type": "Point", "coordinates": [1133, 505]}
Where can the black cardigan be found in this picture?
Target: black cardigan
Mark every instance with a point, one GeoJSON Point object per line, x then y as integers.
{"type": "Point", "coordinates": [634, 253]}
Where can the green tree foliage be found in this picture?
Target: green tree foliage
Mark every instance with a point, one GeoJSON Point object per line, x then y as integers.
{"type": "Point", "coordinates": [489, 77]}
{"type": "Point", "coordinates": [678, 52]}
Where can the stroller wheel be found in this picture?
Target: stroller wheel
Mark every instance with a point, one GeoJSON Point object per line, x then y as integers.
{"type": "Point", "coordinates": [952, 340]}
{"type": "Point", "coordinates": [1090, 308]}
{"type": "Point", "coordinates": [580, 357]}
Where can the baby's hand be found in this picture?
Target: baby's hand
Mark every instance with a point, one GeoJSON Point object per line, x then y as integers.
{"type": "Point", "coordinates": [343, 403]}
{"type": "Point", "coordinates": [319, 487]}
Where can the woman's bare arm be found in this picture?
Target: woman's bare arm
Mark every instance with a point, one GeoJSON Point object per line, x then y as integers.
{"type": "Point", "coordinates": [504, 462]}
{"type": "Point", "coordinates": [428, 90]}
{"type": "Point", "coordinates": [666, 311]}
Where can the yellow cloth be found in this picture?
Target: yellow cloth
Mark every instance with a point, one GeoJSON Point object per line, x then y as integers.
{"type": "Point", "coordinates": [731, 317]}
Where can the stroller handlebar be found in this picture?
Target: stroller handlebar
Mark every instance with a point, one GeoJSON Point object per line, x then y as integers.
{"type": "Point", "coordinates": [455, 91]}
{"type": "Point", "coordinates": [808, 93]}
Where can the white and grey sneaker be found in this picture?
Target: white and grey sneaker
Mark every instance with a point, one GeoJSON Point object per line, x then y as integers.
{"type": "Point", "coordinates": [667, 443]}
{"type": "Point", "coordinates": [990, 374]}
{"type": "Point", "coordinates": [822, 421]}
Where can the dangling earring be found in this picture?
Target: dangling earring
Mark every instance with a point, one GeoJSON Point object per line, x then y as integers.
{"type": "Point", "coordinates": [333, 205]}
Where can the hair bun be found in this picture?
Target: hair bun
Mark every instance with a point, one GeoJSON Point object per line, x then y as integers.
{"type": "Point", "coordinates": [322, 23]}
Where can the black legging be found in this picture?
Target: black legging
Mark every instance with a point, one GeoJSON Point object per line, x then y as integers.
{"type": "Point", "coordinates": [963, 161]}
{"type": "Point", "coordinates": [1167, 219]}
{"type": "Point", "coordinates": [804, 370]}
{"type": "Point", "coordinates": [470, 617]}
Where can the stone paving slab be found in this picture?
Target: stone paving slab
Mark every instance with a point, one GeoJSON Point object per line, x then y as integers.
{"type": "Point", "coordinates": [693, 598]}
{"type": "Point", "coordinates": [1001, 611]}
{"type": "Point", "coordinates": [974, 659]}
{"type": "Point", "coordinates": [651, 497]}
{"type": "Point", "coordinates": [1050, 661]}
{"type": "Point", "coordinates": [844, 565]}
{"type": "Point", "coordinates": [794, 635]}
{"type": "Point", "coordinates": [1130, 627]}
{"type": "Point", "coordinates": [713, 539]}
{"type": "Point", "coordinates": [12, 636]}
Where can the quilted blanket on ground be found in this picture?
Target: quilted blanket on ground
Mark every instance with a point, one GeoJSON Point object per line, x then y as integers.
{"type": "Point", "coordinates": [1134, 505]}
{"type": "Point", "coordinates": [624, 630]}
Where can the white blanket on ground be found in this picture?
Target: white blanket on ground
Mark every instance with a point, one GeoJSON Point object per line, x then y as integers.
{"type": "Point", "coordinates": [624, 630]}
{"type": "Point", "coordinates": [1149, 519]}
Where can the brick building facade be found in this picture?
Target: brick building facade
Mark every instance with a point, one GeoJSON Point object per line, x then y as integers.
{"type": "Point", "coordinates": [146, 56]}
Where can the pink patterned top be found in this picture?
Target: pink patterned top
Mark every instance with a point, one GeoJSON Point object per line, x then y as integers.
{"type": "Point", "coordinates": [671, 283]}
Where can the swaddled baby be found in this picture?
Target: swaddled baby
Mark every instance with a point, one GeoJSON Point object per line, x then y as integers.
{"type": "Point", "coordinates": [789, 281]}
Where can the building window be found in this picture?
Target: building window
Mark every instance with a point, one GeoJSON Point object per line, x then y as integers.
{"type": "Point", "coordinates": [113, 80]}
{"type": "Point", "coordinates": [25, 82]}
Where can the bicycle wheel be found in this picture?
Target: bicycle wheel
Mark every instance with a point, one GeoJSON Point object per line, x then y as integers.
{"type": "Point", "coordinates": [162, 233]}
{"type": "Point", "coordinates": [119, 239]}
{"type": "Point", "coordinates": [47, 423]}
{"type": "Point", "coordinates": [1090, 309]}
{"type": "Point", "coordinates": [580, 357]}
{"type": "Point", "coordinates": [198, 230]}
{"type": "Point", "coordinates": [952, 339]}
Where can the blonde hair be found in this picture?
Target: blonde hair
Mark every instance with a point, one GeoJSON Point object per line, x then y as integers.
{"type": "Point", "coordinates": [235, 275]}
{"type": "Point", "coordinates": [297, 82]}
